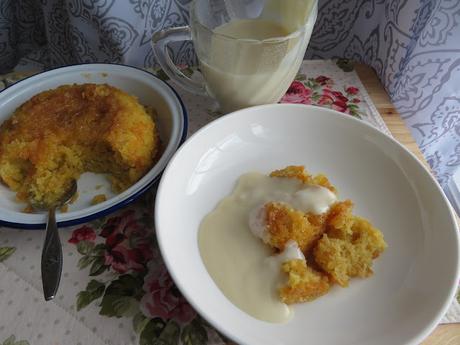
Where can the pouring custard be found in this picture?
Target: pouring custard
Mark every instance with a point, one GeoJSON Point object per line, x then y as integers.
{"type": "Point", "coordinates": [252, 59]}
{"type": "Point", "coordinates": [284, 238]}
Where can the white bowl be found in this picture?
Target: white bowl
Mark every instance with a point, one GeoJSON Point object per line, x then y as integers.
{"type": "Point", "coordinates": [151, 91]}
{"type": "Point", "coordinates": [415, 278]}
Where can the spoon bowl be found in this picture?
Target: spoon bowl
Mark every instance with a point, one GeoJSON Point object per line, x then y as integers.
{"type": "Point", "coordinates": [68, 193]}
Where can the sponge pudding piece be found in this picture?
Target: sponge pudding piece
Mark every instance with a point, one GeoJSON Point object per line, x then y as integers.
{"type": "Point", "coordinates": [61, 133]}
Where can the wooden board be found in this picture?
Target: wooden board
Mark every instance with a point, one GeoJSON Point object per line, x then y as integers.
{"type": "Point", "coordinates": [443, 334]}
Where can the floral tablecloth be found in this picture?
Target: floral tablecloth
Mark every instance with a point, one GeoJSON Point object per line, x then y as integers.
{"type": "Point", "coordinates": [115, 289]}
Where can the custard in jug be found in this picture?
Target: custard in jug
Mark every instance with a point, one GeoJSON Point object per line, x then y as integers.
{"type": "Point", "coordinates": [249, 50]}
{"type": "Point", "coordinates": [253, 61]}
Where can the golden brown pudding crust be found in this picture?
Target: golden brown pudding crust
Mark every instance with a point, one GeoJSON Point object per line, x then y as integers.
{"type": "Point", "coordinates": [61, 133]}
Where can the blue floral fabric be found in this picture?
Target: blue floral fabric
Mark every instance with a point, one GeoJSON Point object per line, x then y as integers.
{"type": "Point", "coordinates": [414, 46]}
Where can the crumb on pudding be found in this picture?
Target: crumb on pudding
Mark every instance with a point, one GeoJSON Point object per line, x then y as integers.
{"type": "Point", "coordinates": [350, 256]}
{"type": "Point", "coordinates": [97, 199]}
{"type": "Point", "coordinates": [304, 284]}
{"type": "Point", "coordinates": [28, 209]}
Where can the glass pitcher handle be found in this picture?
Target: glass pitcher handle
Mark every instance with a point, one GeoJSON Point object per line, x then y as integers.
{"type": "Point", "coordinates": [160, 42]}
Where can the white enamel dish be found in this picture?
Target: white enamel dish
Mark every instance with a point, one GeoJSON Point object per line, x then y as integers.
{"type": "Point", "coordinates": [171, 121]}
{"type": "Point", "coordinates": [415, 278]}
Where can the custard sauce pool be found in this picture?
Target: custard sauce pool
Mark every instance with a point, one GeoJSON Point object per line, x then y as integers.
{"type": "Point", "coordinates": [240, 264]}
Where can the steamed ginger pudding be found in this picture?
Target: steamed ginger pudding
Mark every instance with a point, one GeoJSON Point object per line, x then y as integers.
{"type": "Point", "coordinates": [58, 134]}
{"type": "Point", "coordinates": [282, 239]}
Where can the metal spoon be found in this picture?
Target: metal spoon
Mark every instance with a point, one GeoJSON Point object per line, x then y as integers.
{"type": "Point", "coordinates": [51, 263]}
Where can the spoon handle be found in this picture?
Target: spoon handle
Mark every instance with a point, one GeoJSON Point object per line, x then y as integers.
{"type": "Point", "coordinates": [51, 264]}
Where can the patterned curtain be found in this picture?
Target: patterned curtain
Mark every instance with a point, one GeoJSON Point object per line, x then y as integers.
{"type": "Point", "coordinates": [413, 45]}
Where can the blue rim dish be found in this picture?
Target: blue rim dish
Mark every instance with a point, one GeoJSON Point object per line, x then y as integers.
{"type": "Point", "coordinates": [124, 202]}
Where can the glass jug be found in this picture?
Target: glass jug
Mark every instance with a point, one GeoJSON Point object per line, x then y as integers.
{"type": "Point", "coordinates": [249, 51]}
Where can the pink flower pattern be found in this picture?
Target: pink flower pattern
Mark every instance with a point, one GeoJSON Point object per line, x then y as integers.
{"type": "Point", "coordinates": [127, 247]}
{"type": "Point", "coordinates": [85, 233]}
{"type": "Point", "coordinates": [162, 298]}
{"type": "Point", "coordinates": [297, 93]}
{"type": "Point", "coordinates": [318, 91]}
{"type": "Point", "coordinates": [351, 90]}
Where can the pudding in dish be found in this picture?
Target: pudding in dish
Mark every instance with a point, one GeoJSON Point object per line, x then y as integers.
{"type": "Point", "coordinates": [58, 134]}
{"type": "Point", "coordinates": [282, 239]}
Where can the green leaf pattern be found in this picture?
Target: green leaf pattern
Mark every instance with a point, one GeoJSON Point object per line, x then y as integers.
{"type": "Point", "coordinates": [345, 65]}
{"type": "Point", "coordinates": [151, 332]}
{"type": "Point", "coordinates": [6, 252]}
{"type": "Point", "coordinates": [98, 266]}
{"type": "Point", "coordinates": [11, 340]}
{"type": "Point", "coordinates": [85, 247]}
{"type": "Point", "coordinates": [139, 322]}
{"type": "Point", "coordinates": [94, 290]}
{"type": "Point", "coordinates": [118, 306]}
{"type": "Point", "coordinates": [194, 334]}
